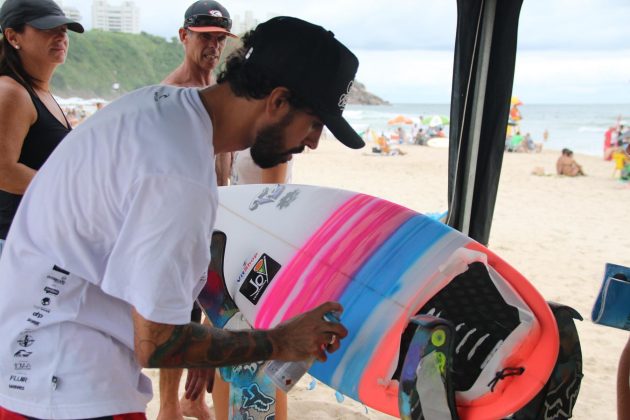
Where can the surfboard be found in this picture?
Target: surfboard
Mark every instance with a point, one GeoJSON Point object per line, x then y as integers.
{"type": "Point", "coordinates": [280, 250]}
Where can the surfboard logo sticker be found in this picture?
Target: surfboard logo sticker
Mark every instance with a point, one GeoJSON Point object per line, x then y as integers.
{"type": "Point", "coordinates": [266, 196]}
{"type": "Point", "coordinates": [275, 195]}
{"type": "Point", "coordinates": [259, 278]}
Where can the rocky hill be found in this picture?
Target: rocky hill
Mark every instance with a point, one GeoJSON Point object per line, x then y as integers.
{"type": "Point", "coordinates": [360, 96]}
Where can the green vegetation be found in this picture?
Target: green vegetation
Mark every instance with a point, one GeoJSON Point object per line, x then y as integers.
{"type": "Point", "coordinates": [97, 59]}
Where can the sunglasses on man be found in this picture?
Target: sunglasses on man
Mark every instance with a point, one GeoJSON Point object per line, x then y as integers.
{"type": "Point", "coordinates": [207, 20]}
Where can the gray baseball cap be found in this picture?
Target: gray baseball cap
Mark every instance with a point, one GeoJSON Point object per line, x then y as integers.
{"type": "Point", "coordinates": [40, 14]}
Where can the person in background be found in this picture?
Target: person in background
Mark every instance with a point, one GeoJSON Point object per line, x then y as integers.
{"type": "Point", "coordinates": [207, 25]}
{"type": "Point", "coordinates": [621, 159]}
{"type": "Point", "coordinates": [402, 135]}
{"type": "Point", "coordinates": [609, 143]}
{"type": "Point", "coordinates": [34, 42]}
{"type": "Point", "coordinates": [516, 143]}
{"type": "Point", "coordinates": [531, 145]}
{"type": "Point", "coordinates": [566, 165]}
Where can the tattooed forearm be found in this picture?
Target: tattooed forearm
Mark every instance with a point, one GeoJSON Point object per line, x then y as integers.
{"type": "Point", "coordinates": [195, 345]}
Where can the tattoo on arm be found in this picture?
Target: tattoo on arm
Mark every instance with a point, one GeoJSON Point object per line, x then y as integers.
{"type": "Point", "coordinates": [194, 345]}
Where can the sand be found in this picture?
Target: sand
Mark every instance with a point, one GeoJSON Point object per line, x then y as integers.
{"type": "Point", "coordinates": [559, 232]}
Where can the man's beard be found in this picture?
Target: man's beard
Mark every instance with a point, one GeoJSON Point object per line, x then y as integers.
{"type": "Point", "coordinates": [267, 151]}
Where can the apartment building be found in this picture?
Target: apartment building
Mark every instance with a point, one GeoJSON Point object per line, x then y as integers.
{"type": "Point", "coordinates": [123, 17]}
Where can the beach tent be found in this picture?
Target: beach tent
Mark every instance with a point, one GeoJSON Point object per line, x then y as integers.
{"type": "Point", "coordinates": [483, 73]}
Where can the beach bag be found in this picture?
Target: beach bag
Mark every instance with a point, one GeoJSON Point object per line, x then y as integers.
{"type": "Point", "coordinates": [612, 306]}
{"type": "Point", "coordinates": [557, 398]}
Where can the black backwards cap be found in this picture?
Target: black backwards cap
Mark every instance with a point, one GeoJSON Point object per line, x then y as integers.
{"type": "Point", "coordinates": [40, 14]}
{"type": "Point", "coordinates": [308, 60]}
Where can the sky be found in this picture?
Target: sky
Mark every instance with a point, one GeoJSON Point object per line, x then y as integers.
{"type": "Point", "coordinates": [569, 51]}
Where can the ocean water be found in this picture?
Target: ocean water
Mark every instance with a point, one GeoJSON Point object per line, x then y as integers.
{"type": "Point", "coordinates": [577, 127]}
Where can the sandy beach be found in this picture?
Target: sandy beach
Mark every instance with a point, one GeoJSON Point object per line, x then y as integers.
{"type": "Point", "coordinates": [559, 232]}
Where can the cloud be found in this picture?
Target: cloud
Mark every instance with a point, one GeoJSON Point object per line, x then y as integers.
{"type": "Point", "coordinates": [424, 76]}
{"type": "Point", "coordinates": [574, 24]}
{"type": "Point", "coordinates": [407, 76]}
{"type": "Point", "coordinates": [416, 24]}
{"type": "Point", "coordinates": [573, 77]}
{"type": "Point", "coordinates": [568, 50]}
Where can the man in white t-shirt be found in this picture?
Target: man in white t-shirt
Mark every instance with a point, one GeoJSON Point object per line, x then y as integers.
{"type": "Point", "coordinates": [110, 245]}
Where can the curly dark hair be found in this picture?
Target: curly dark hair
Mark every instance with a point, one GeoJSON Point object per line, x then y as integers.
{"type": "Point", "coordinates": [11, 64]}
{"type": "Point", "coordinates": [250, 82]}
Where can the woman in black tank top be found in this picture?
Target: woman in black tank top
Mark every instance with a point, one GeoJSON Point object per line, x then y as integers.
{"type": "Point", "coordinates": [32, 124]}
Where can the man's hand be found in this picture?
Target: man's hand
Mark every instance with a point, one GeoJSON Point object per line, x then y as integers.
{"type": "Point", "coordinates": [197, 382]}
{"type": "Point", "coordinates": [308, 335]}
{"type": "Point", "coordinates": [193, 345]}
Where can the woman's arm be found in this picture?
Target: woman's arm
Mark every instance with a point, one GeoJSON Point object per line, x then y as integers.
{"type": "Point", "coordinates": [17, 114]}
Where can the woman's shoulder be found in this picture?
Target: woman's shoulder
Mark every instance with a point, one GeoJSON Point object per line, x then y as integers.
{"type": "Point", "coordinates": [10, 87]}
{"type": "Point", "coordinates": [13, 93]}
{"type": "Point", "coordinates": [15, 101]}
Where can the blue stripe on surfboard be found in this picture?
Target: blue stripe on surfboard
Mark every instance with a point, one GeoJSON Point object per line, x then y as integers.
{"type": "Point", "coordinates": [408, 244]}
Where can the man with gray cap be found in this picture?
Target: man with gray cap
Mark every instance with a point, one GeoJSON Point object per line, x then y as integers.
{"type": "Point", "coordinates": [204, 33]}
{"type": "Point", "coordinates": [107, 278]}
{"type": "Point", "coordinates": [206, 27]}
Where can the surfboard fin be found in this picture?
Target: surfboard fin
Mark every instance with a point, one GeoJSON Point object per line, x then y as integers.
{"type": "Point", "coordinates": [426, 390]}
{"type": "Point", "coordinates": [214, 298]}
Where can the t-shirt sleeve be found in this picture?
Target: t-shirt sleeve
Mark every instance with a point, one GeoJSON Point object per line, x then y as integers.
{"type": "Point", "coordinates": [163, 248]}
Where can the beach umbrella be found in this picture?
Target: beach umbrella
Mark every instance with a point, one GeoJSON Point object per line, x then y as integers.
{"type": "Point", "coordinates": [400, 119]}
{"type": "Point", "coordinates": [435, 120]}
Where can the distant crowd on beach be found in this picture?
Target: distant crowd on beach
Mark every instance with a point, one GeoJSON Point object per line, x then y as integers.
{"type": "Point", "coordinates": [426, 131]}
{"type": "Point", "coordinates": [77, 113]}
{"type": "Point", "coordinates": [617, 150]}
{"type": "Point", "coordinates": [514, 140]}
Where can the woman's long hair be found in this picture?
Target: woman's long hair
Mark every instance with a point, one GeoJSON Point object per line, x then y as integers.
{"type": "Point", "coordinates": [11, 64]}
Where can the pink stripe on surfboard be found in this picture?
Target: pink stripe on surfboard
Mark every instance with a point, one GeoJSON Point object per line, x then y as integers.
{"type": "Point", "coordinates": [345, 241]}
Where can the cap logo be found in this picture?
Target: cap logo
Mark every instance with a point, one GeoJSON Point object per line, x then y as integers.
{"type": "Point", "coordinates": [343, 99]}
{"type": "Point", "coordinates": [249, 53]}
{"type": "Point", "coordinates": [215, 13]}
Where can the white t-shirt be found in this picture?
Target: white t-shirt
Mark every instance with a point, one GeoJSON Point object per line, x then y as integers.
{"type": "Point", "coordinates": [245, 171]}
{"type": "Point", "coordinates": [119, 216]}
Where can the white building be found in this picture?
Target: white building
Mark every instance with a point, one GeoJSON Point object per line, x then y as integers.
{"type": "Point", "coordinates": [248, 22]}
{"type": "Point", "coordinates": [70, 11]}
{"type": "Point", "coordinates": [124, 17]}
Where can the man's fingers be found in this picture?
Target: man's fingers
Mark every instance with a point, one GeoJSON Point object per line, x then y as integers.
{"type": "Point", "coordinates": [191, 391]}
{"type": "Point", "coordinates": [338, 329]}
{"type": "Point", "coordinates": [326, 307]}
{"type": "Point", "coordinates": [321, 355]}
{"type": "Point", "coordinates": [195, 383]}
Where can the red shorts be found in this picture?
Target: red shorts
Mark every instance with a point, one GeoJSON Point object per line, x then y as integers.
{"type": "Point", "coordinates": [9, 415]}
